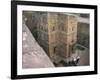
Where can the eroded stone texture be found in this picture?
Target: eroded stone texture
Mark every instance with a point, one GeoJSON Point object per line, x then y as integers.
{"type": "Point", "coordinates": [33, 56]}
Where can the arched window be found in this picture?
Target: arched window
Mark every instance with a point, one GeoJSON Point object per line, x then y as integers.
{"type": "Point", "coordinates": [55, 49]}
{"type": "Point", "coordinates": [53, 28]}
